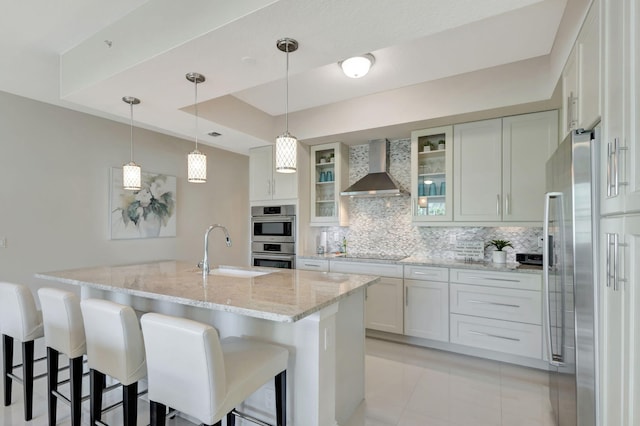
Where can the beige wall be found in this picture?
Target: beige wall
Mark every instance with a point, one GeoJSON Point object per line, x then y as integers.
{"type": "Point", "coordinates": [54, 193]}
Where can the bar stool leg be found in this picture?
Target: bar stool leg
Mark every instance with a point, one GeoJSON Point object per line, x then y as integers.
{"type": "Point", "coordinates": [27, 368]}
{"type": "Point", "coordinates": [7, 367]}
{"type": "Point", "coordinates": [52, 384]}
{"type": "Point", "coordinates": [75, 374]}
{"type": "Point", "coordinates": [158, 413]}
{"type": "Point", "coordinates": [281, 398]}
{"type": "Point", "coordinates": [130, 403]}
{"type": "Point", "coordinates": [96, 382]}
{"type": "Point", "coordinates": [231, 419]}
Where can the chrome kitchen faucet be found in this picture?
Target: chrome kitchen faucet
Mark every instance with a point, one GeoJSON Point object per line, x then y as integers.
{"type": "Point", "coordinates": [205, 262]}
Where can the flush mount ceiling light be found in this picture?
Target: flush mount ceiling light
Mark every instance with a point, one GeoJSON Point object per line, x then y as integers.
{"type": "Point", "coordinates": [196, 161]}
{"type": "Point", "coordinates": [357, 66]}
{"type": "Point", "coordinates": [286, 143]}
{"type": "Point", "coordinates": [131, 174]}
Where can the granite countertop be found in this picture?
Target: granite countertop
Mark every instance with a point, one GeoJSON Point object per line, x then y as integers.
{"type": "Point", "coordinates": [428, 261]}
{"type": "Point", "coordinates": [284, 295]}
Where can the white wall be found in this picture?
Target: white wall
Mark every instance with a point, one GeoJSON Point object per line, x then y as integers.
{"type": "Point", "coordinates": [54, 193]}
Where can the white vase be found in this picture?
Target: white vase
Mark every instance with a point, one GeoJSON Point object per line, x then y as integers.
{"type": "Point", "coordinates": [150, 227]}
{"type": "Point", "coordinates": [499, 256]}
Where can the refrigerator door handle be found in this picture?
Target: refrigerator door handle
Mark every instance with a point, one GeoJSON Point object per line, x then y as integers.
{"type": "Point", "coordinates": [547, 264]}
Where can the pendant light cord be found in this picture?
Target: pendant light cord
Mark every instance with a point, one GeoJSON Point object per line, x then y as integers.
{"type": "Point", "coordinates": [131, 115]}
{"type": "Point", "coordinates": [286, 116]}
{"type": "Point", "coordinates": [195, 83]}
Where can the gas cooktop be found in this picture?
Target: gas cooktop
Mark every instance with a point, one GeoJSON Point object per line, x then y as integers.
{"type": "Point", "coordinates": [372, 256]}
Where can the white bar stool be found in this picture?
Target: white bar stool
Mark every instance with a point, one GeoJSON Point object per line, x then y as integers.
{"type": "Point", "coordinates": [114, 348]}
{"type": "Point", "coordinates": [192, 370]}
{"type": "Point", "coordinates": [63, 333]}
{"type": "Point", "coordinates": [19, 320]}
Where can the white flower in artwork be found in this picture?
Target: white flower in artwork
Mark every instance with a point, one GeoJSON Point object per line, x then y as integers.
{"type": "Point", "coordinates": [144, 196]}
{"type": "Point", "coordinates": [158, 188]}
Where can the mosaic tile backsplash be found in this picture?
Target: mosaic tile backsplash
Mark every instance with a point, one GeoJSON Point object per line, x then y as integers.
{"type": "Point", "coordinates": [382, 225]}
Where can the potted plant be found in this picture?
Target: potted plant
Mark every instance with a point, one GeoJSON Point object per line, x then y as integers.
{"type": "Point", "coordinates": [499, 256]}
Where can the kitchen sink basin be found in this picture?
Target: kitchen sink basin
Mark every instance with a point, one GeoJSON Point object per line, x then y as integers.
{"type": "Point", "coordinates": [232, 272]}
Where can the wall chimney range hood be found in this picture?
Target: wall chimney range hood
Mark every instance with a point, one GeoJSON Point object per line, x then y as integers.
{"type": "Point", "coordinates": [378, 182]}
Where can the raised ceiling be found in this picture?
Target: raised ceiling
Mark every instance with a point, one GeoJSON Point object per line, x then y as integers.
{"type": "Point", "coordinates": [434, 58]}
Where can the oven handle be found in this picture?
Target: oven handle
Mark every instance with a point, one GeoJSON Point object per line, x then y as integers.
{"type": "Point", "coordinates": [273, 256]}
{"type": "Point", "coordinates": [259, 219]}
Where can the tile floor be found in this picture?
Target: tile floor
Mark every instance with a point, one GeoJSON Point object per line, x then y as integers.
{"type": "Point", "coordinates": [405, 386]}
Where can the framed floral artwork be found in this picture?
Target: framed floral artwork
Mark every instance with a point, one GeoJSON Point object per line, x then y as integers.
{"type": "Point", "coordinates": [147, 213]}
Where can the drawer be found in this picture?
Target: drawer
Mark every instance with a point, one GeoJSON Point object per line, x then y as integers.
{"type": "Point", "coordinates": [497, 303]}
{"type": "Point", "coordinates": [501, 336]}
{"type": "Point", "coordinates": [518, 280]}
{"type": "Point", "coordinates": [313, 265]}
{"type": "Point", "coordinates": [380, 269]}
{"type": "Point", "coordinates": [426, 273]}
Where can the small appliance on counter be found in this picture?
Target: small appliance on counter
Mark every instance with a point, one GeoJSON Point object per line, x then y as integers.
{"type": "Point", "coordinates": [534, 259]}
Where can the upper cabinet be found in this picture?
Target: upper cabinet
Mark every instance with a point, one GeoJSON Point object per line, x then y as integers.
{"type": "Point", "coordinates": [265, 184]}
{"type": "Point", "coordinates": [477, 149]}
{"type": "Point", "coordinates": [581, 77]}
{"type": "Point", "coordinates": [431, 172]}
{"type": "Point", "coordinates": [499, 167]}
{"type": "Point", "coordinates": [329, 175]}
{"type": "Point", "coordinates": [620, 157]}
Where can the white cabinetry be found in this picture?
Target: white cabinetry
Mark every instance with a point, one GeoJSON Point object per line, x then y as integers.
{"type": "Point", "coordinates": [329, 176]}
{"type": "Point", "coordinates": [431, 173]}
{"type": "Point", "coordinates": [313, 265]}
{"type": "Point", "coordinates": [619, 316]}
{"type": "Point", "coordinates": [581, 76]}
{"type": "Point", "coordinates": [426, 310]}
{"type": "Point", "coordinates": [620, 156]}
{"type": "Point", "coordinates": [498, 311]}
{"type": "Point", "coordinates": [499, 167]}
{"type": "Point", "coordinates": [265, 183]}
{"type": "Point", "coordinates": [384, 299]}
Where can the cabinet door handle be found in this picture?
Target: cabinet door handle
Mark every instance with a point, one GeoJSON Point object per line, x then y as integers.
{"type": "Point", "coordinates": [608, 261]}
{"type": "Point", "coordinates": [366, 293]}
{"type": "Point", "coordinates": [507, 206]}
{"type": "Point", "coordinates": [406, 296]}
{"type": "Point", "coordinates": [479, 333]}
{"type": "Point", "coordinates": [609, 171]}
{"type": "Point", "coordinates": [483, 302]}
{"type": "Point", "coordinates": [498, 205]}
{"type": "Point", "coordinates": [616, 253]}
{"type": "Point", "coordinates": [494, 279]}
{"type": "Point", "coordinates": [274, 187]}
{"type": "Point", "coordinates": [617, 151]}
{"type": "Point", "coordinates": [569, 113]}
{"type": "Point", "coordinates": [269, 186]}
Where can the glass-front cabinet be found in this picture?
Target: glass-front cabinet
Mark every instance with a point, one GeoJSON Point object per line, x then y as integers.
{"type": "Point", "coordinates": [329, 175]}
{"type": "Point", "coordinates": [431, 174]}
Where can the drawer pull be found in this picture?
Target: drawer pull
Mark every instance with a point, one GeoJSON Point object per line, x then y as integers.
{"type": "Point", "coordinates": [495, 279]}
{"type": "Point", "coordinates": [482, 302]}
{"type": "Point", "coordinates": [311, 265]}
{"type": "Point", "coordinates": [422, 273]}
{"type": "Point", "coordinates": [479, 333]}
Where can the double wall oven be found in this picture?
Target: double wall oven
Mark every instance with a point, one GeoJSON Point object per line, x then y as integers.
{"type": "Point", "coordinates": [273, 236]}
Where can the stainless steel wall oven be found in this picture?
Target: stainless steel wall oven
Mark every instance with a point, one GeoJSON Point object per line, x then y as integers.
{"type": "Point", "coordinates": [273, 230]}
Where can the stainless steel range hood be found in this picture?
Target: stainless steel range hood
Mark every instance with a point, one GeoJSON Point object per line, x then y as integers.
{"type": "Point", "coordinates": [378, 182]}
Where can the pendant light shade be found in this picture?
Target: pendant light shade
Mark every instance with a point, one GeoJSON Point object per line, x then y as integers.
{"type": "Point", "coordinates": [131, 172]}
{"type": "Point", "coordinates": [286, 143]}
{"type": "Point", "coordinates": [196, 161]}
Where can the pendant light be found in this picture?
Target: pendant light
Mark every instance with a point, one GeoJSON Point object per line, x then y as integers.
{"type": "Point", "coordinates": [286, 143]}
{"type": "Point", "coordinates": [196, 161]}
{"type": "Point", "coordinates": [131, 175]}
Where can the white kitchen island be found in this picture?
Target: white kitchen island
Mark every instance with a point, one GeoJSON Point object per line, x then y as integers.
{"type": "Point", "coordinates": [318, 316]}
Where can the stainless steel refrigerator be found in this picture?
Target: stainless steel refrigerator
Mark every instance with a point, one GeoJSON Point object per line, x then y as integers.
{"type": "Point", "coordinates": [570, 276]}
